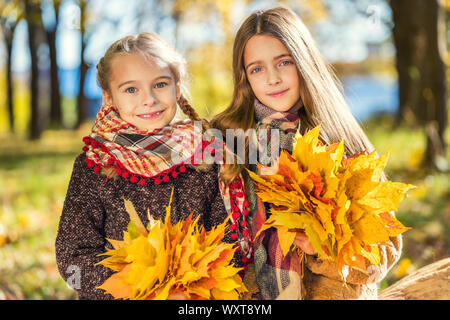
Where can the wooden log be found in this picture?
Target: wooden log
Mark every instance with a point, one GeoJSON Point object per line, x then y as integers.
{"type": "Point", "coordinates": [431, 282]}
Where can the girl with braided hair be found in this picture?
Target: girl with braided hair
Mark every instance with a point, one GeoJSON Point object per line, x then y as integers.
{"type": "Point", "coordinates": [129, 154]}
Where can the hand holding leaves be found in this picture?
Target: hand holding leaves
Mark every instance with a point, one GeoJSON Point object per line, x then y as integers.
{"type": "Point", "coordinates": [302, 242]}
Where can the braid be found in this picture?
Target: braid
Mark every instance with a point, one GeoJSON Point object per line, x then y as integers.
{"type": "Point", "coordinates": [191, 113]}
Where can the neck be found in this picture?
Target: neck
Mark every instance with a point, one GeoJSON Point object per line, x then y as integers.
{"type": "Point", "coordinates": [263, 112]}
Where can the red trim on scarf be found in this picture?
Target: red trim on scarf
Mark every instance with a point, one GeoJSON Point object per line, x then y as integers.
{"type": "Point", "coordinates": [133, 177]}
{"type": "Point", "coordinates": [240, 224]}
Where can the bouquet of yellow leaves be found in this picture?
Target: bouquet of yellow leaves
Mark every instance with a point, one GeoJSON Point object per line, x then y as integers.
{"type": "Point", "coordinates": [152, 263]}
{"type": "Point", "coordinates": [340, 204]}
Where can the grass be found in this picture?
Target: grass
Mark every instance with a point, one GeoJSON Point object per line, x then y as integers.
{"type": "Point", "coordinates": [34, 177]}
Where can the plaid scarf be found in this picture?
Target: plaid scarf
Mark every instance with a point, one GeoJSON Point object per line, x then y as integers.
{"type": "Point", "coordinates": [160, 155]}
{"type": "Point", "coordinates": [138, 155]}
{"type": "Point", "coordinates": [276, 277]}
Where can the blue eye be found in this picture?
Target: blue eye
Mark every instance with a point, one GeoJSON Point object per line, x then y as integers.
{"type": "Point", "coordinates": [258, 69]}
{"type": "Point", "coordinates": [286, 62]}
{"type": "Point", "coordinates": [131, 90]}
{"type": "Point", "coordinates": [160, 85]}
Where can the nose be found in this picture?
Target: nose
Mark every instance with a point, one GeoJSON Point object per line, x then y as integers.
{"type": "Point", "coordinates": [273, 77]}
{"type": "Point", "coordinates": [148, 98]}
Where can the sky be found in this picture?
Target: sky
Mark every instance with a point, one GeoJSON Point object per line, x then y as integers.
{"type": "Point", "coordinates": [342, 37]}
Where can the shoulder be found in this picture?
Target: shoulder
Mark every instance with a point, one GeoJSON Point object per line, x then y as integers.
{"type": "Point", "coordinates": [83, 174]}
{"type": "Point", "coordinates": [80, 165]}
{"type": "Point", "coordinates": [80, 161]}
{"type": "Point", "coordinates": [201, 178]}
{"type": "Point", "coordinates": [206, 171]}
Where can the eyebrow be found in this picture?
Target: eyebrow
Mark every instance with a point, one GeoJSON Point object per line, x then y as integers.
{"type": "Point", "coordinates": [124, 83]}
{"type": "Point", "coordinates": [275, 58]}
{"type": "Point", "coordinates": [131, 81]}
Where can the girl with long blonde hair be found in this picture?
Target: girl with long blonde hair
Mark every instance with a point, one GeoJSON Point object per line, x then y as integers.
{"type": "Point", "coordinates": [282, 82]}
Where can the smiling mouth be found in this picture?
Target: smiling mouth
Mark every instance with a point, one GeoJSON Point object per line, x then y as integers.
{"type": "Point", "coordinates": [151, 115]}
{"type": "Point", "coordinates": [278, 94]}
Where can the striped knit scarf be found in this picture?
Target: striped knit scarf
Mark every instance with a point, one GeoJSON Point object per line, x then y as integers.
{"type": "Point", "coordinates": [277, 277]}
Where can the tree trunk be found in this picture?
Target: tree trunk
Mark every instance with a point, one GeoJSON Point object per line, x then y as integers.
{"type": "Point", "coordinates": [9, 84]}
{"type": "Point", "coordinates": [404, 27]}
{"type": "Point", "coordinates": [419, 37]}
{"type": "Point", "coordinates": [81, 101]}
{"type": "Point", "coordinates": [56, 120]}
{"type": "Point", "coordinates": [55, 101]}
{"type": "Point", "coordinates": [32, 12]}
{"type": "Point", "coordinates": [431, 282]}
{"type": "Point", "coordinates": [435, 83]}
{"type": "Point", "coordinates": [7, 28]}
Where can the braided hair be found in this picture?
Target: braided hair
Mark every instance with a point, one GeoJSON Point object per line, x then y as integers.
{"type": "Point", "coordinates": [193, 115]}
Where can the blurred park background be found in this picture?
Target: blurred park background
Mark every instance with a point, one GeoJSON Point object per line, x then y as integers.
{"type": "Point", "coordinates": [390, 55]}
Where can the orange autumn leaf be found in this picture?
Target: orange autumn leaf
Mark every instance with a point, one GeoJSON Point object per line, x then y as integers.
{"type": "Point", "coordinates": [395, 226]}
{"type": "Point", "coordinates": [116, 284]}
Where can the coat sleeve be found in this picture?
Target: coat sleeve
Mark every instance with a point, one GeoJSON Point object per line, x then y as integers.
{"type": "Point", "coordinates": [80, 237]}
{"type": "Point", "coordinates": [389, 255]}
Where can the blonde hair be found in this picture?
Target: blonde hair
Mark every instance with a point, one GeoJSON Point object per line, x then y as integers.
{"type": "Point", "coordinates": [320, 90]}
{"type": "Point", "coordinates": [151, 46]}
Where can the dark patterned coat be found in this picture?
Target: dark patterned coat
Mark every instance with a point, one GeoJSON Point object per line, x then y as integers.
{"type": "Point", "coordinates": [94, 210]}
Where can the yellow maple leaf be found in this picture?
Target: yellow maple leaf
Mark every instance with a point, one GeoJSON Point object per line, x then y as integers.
{"type": "Point", "coordinates": [378, 200]}
{"type": "Point", "coordinates": [371, 253]}
{"type": "Point", "coordinates": [370, 229]}
{"type": "Point", "coordinates": [286, 238]}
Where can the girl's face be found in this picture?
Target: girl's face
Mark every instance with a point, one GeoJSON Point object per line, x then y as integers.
{"type": "Point", "coordinates": [271, 72]}
{"type": "Point", "coordinates": [144, 92]}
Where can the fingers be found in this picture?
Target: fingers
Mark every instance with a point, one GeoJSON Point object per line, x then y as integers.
{"type": "Point", "coordinates": [177, 296]}
{"type": "Point", "coordinates": [301, 241]}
